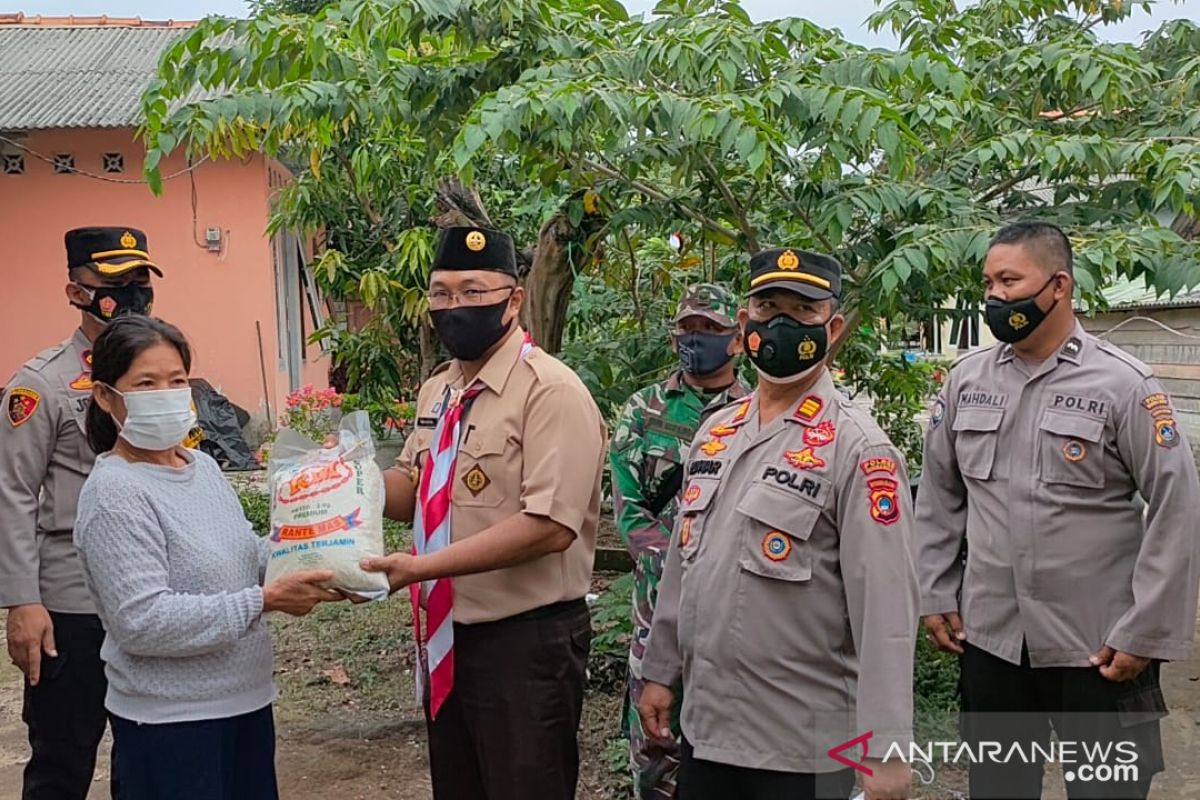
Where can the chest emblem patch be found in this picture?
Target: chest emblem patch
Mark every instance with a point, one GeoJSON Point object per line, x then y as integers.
{"type": "Point", "coordinates": [692, 494]}
{"type": "Point", "coordinates": [804, 459]}
{"type": "Point", "coordinates": [776, 546]}
{"type": "Point", "coordinates": [685, 532]}
{"type": "Point", "coordinates": [821, 435]}
{"type": "Point", "coordinates": [476, 480]}
{"type": "Point", "coordinates": [712, 447]}
{"type": "Point", "coordinates": [1074, 451]}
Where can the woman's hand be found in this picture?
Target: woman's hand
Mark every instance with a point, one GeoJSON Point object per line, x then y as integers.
{"type": "Point", "coordinates": [298, 593]}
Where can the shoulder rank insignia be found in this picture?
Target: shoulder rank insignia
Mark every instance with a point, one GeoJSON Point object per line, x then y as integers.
{"type": "Point", "coordinates": [810, 408]}
{"type": "Point", "coordinates": [804, 459]}
{"type": "Point", "coordinates": [776, 546]}
{"type": "Point", "coordinates": [742, 411]}
{"type": "Point", "coordinates": [722, 430]}
{"type": "Point", "coordinates": [22, 403]}
{"type": "Point", "coordinates": [821, 435]}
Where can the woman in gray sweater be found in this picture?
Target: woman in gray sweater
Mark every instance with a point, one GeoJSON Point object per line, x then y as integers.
{"type": "Point", "coordinates": [175, 570]}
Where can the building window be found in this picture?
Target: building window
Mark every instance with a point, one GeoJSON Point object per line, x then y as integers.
{"type": "Point", "coordinates": [114, 162]}
{"type": "Point", "coordinates": [64, 163]}
{"type": "Point", "coordinates": [14, 164]}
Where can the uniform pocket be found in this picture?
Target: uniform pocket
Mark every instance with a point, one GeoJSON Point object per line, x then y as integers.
{"type": "Point", "coordinates": [1072, 449]}
{"type": "Point", "coordinates": [976, 432]}
{"type": "Point", "coordinates": [775, 538]}
{"type": "Point", "coordinates": [481, 463]}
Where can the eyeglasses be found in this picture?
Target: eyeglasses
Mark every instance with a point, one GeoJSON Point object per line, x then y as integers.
{"type": "Point", "coordinates": [440, 298]}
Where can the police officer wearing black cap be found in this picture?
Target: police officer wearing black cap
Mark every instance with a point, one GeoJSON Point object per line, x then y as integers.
{"type": "Point", "coordinates": [506, 515]}
{"type": "Point", "coordinates": [788, 604]}
{"type": "Point", "coordinates": [54, 635]}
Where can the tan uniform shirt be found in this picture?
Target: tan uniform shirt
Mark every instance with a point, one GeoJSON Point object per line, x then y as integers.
{"type": "Point", "coordinates": [532, 442]}
{"type": "Point", "coordinates": [789, 597]}
{"type": "Point", "coordinates": [1038, 468]}
{"type": "Point", "coordinates": [44, 460]}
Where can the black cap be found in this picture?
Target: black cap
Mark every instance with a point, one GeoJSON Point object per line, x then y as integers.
{"type": "Point", "coordinates": [109, 251]}
{"type": "Point", "coordinates": [813, 275]}
{"type": "Point", "coordinates": [476, 248]}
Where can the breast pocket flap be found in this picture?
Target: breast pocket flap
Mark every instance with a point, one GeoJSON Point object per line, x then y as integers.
{"type": "Point", "coordinates": [1076, 426]}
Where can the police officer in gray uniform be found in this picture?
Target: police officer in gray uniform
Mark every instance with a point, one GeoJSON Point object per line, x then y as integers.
{"type": "Point", "coordinates": [789, 598]}
{"type": "Point", "coordinates": [1070, 596]}
{"type": "Point", "coordinates": [54, 635]}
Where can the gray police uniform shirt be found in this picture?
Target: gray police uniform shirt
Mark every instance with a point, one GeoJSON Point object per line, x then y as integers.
{"type": "Point", "coordinates": [1037, 467]}
{"type": "Point", "coordinates": [789, 597]}
{"type": "Point", "coordinates": [44, 460]}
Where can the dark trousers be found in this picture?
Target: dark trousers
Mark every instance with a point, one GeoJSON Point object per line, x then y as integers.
{"type": "Point", "coordinates": [1007, 703]}
{"type": "Point", "coordinates": [217, 759]}
{"type": "Point", "coordinates": [65, 712]}
{"type": "Point", "coordinates": [708, 780]}
{"type": "Point", "coordinates": [508, 729]}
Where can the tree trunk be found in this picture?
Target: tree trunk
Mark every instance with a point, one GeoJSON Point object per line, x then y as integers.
{"type": "Point", "coordinates": [853, 318]}
{"type": "Point", "coordinates": [1187, 226]}
{"type": "Point", "coordinates": [428, 349]}
{"type": "Point", "coordinates": [550, 282]}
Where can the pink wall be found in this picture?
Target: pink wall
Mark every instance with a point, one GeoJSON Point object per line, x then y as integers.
{"type": "Point", "coordinates": [215, 298]}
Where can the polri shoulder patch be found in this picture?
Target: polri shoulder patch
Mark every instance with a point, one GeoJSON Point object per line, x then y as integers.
{"type": "Point", "coordinates": [22, 405]}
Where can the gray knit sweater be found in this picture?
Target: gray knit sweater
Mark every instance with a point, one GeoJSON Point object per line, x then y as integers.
{"type": "Point", "coordinates": [175, 571]}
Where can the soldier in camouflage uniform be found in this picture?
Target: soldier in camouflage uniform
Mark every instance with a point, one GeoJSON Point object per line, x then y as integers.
{"type": "Point", "coordinates": [647, 454]}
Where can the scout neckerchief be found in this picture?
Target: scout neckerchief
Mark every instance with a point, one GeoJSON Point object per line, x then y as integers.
{"type": "Point", "coordinates": [431, 532]}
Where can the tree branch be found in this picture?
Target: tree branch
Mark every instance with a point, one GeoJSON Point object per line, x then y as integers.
{"type": "Point", "coordinates": [656, 194]}
{"type": "Point", "coordinates": [1004, 186]}
{"type": "Point", "coordinates": [739, 212]}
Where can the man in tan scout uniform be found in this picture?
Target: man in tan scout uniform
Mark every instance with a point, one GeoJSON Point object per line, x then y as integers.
{"type": "Point", "coordinates": [54, 635]}
{"type": "Point", "coordinates": [1070, 595]}
{"type": "Point", "coordinates": [789, 598]}
{"type": "Point", "coordinates": [524, 501]}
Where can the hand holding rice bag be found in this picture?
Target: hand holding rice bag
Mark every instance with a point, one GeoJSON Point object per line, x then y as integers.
{"type": "Point", "coordinates": [327, 507]}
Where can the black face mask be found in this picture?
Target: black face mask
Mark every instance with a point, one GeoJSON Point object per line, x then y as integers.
{"type": "Point", "coordinates": [704, 353]}
{"type": "Point", "coordinates": [1014, 320]}
{"type": "Point", "coordinates": [110, 302]}
{"type": "Point", "coordinates": [469, 331]}
{"type": "Point", "coordinates": [784, 348]}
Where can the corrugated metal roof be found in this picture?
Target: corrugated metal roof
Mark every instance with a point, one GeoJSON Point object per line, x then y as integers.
{"type": "Point", "coordinates": [1126, 293]}
{"type": "Point", "coordinates": [75, 76]}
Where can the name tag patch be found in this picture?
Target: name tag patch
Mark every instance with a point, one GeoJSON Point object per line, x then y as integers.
{"type": "Point", "coordinates": [982, 399]}
{"type": "Point", "coordinates": [709, 467]}
{"type": "Point", "coordinates": [1094, 408]}
{"type": "Point", "coordinates": [806, 487]}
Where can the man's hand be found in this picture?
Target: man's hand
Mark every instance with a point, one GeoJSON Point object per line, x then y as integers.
{"type": "Point", "coordinates": [401, 569]}
{"type": "Point", "coordinates": [30, 632]}
{"type": "Point", "coordinates": [299, 593]}
{"type": "Point", "coordinates": [655, 710]}
{"type": "Point", "coordinates": [946, 630]}
{"type": "Point", "coordinates": [892, 779]}
{"type": "Point", "coordinates": [1119, 667]}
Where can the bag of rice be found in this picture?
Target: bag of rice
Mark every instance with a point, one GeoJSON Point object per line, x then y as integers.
{"type": "Point", "coordinates": [327, 507]}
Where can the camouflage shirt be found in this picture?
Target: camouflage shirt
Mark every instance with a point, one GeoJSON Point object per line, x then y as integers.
{"type": "Point", "coordinates": [651, 441]}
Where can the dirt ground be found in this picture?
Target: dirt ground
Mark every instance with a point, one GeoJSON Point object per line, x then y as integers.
{"type": "Point", "coordinates": [350, 730]}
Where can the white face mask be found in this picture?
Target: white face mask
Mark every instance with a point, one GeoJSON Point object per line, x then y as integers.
{"type": "Point", "coordinates": [790, 379]}
{"type": "Point", "coordinates": [159, 419]}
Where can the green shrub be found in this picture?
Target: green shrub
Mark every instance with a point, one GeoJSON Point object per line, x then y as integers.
{"type": "Point", "coordinates": [257, 507]}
